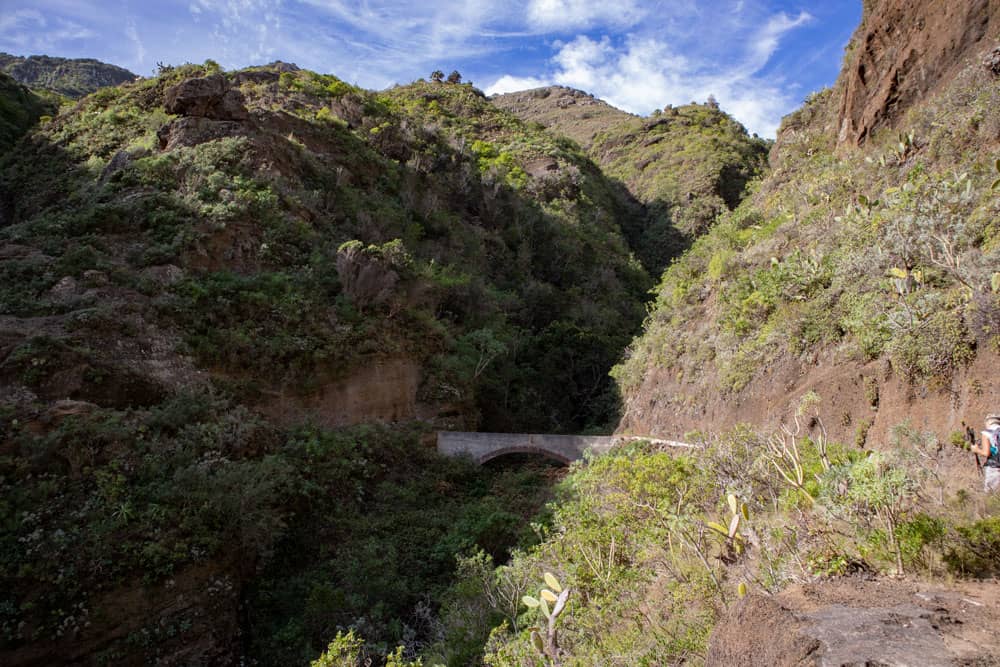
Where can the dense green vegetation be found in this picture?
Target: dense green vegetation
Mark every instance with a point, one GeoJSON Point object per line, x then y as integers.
{"type": "Point", "coordinates": [20, 108]}
{"type": "Point", "coordinates": [685, 164]}
{"type": "Point", "coordinates": [688, 164]}
{"type": "Point", "coordinates": [484, 274]}
{"type": "Point", "coordinates": [355, 528]}
{"type": "Point", "coordinates": [180, 269]}
{"type": "Point", "coordinates": [66, 77]}
{"type": "Point", "coordinates": [172, 273]}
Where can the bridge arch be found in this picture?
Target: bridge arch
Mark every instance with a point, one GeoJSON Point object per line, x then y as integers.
{"type": "Point", "coordinates": [524, 449]}
{"type": "Point", "coordinates": [483, 447]}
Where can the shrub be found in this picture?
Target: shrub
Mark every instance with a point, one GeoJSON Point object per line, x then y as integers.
{"type": "Point", "coordinates": [975, 550]}
{"type": "Point", "coordinates": [875, 491]}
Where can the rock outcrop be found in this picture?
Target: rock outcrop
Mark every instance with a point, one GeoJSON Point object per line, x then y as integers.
{"type": "Point", "coordinates": [857, 622]}
{"type": "Point", "coordinates": [903, 50]}
{"type": "Point", "coordinates": [566, 111]}
{"type": "Point", "coordinates": [206, 97]}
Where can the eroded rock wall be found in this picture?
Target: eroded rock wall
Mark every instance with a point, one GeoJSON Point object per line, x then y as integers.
{"type": "Point", "coordinates": [904, 50]}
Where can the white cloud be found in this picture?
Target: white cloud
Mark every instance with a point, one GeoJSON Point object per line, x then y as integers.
{"type": "Point", "coordinates": [766, 41]}
{"type": "Point", "coordinates": [643, 73]}
{"type": "Point", "coordinates": [655, 53]}
{"type": "Point", "coordinates": [379, 42]}
{"type": "Point", "coordinates": [15, 26]}
{"type": "Point", "coordinates": [133, 35]}
{"type": "Point", "coordinates": [571, 14]}
{"type": "Point", "coordinates": [510, 84]}
{"type": "Point", "coordinates": [30, 30]}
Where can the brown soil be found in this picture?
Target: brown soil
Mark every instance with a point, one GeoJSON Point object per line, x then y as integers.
{"type": "Point", "coordinates": [667, 406]}
{"type": "Point", "coordinates": [383, 390]}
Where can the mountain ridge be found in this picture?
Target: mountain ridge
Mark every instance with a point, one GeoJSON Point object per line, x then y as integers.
{"type": "Point", "coordinates": [70, 77]}
{"type": "Point", "coordinates": [660, 158]}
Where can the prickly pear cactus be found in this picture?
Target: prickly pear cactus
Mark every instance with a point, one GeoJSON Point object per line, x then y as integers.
{"type": "Point", "coordinates": [552, 593]}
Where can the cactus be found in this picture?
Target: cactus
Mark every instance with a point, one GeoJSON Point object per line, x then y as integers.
{"type": "Point", "coordinates": [907, 142]}
{"type": "Point", "coordinates": [996, 183]}
{"type": "Point", "coordinates": [735, 543]}
{"type": "Point", "coordinates": [555, 594]}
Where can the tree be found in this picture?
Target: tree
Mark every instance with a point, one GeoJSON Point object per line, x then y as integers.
{"type": "Point", "coordinates": [454, 77]}
{"type": "Point", "coordinates": [437, 76]}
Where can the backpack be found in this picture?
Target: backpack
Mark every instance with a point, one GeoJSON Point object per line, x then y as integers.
{"type": "Point", "coordinates": [995, 443]}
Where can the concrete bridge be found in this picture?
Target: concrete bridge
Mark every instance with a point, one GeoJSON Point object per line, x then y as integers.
{"type": "Point", "coordinates": [483, 447]}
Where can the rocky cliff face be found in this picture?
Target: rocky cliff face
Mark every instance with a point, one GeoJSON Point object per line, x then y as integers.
{"type": "Point", "coordinates": [572, 113]}
{"type": "Point", "coordinates": [904, 51]}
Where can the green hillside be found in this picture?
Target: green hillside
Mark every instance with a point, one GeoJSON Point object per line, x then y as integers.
{"type": "Point", "coordinates": [236, 309]}
{"type": "Point", "coordinates": [875, 258]}
{"type": "Point", "coordinates": [685, 165]}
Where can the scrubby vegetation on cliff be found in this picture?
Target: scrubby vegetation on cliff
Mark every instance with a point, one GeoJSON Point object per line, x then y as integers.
{"type": "Point", "coordinates": [200, 272]}
{"type": "Point", "coordinates": [886, 253]}
{"type": "Point", "coordinates": [685, 164]}
{"type": "Point", "coordinates": [281, 229]}
{"type": "Point", "coordinates": [313, 530]}
{"type": "Point", "coordinates": [657, 544]}
{"type": "Point", "coordinates": [466, 262]}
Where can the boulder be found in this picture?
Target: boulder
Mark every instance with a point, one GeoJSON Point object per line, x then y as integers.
{"type": "Point", "coordinates": [365, 277]}
{"type": "Point", "coordinates": [992, 62]}
{"type": "Point", "coordinates": [206, 97]}
{"type": "Point", "coordinates": [257, 76]}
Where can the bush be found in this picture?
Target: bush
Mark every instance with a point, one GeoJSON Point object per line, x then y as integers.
{"type": "Point", "coordinates": [874, 492]}
{"type": "Point", "coordinates": [975, 550]}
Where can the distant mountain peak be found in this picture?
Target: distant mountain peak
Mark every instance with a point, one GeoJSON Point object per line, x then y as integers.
{"type": "Point", "coordinates": [574, 113]}
{"type": "Point", "coordinates": [72, 77]}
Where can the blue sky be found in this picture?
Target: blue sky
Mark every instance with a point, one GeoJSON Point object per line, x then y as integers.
{"type": "Point", "coordinates": [759, 58]}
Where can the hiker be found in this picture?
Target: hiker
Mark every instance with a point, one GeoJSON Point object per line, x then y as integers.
{"type": "Point", "coordinates": [989, 446]}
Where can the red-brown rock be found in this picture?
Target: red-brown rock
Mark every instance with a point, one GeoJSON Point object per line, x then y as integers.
{"type": "Point", "coordinates": [903, 50]}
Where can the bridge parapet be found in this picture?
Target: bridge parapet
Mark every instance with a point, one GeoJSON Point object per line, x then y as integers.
{"type": "Point", "coordinates": [483, 447]}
